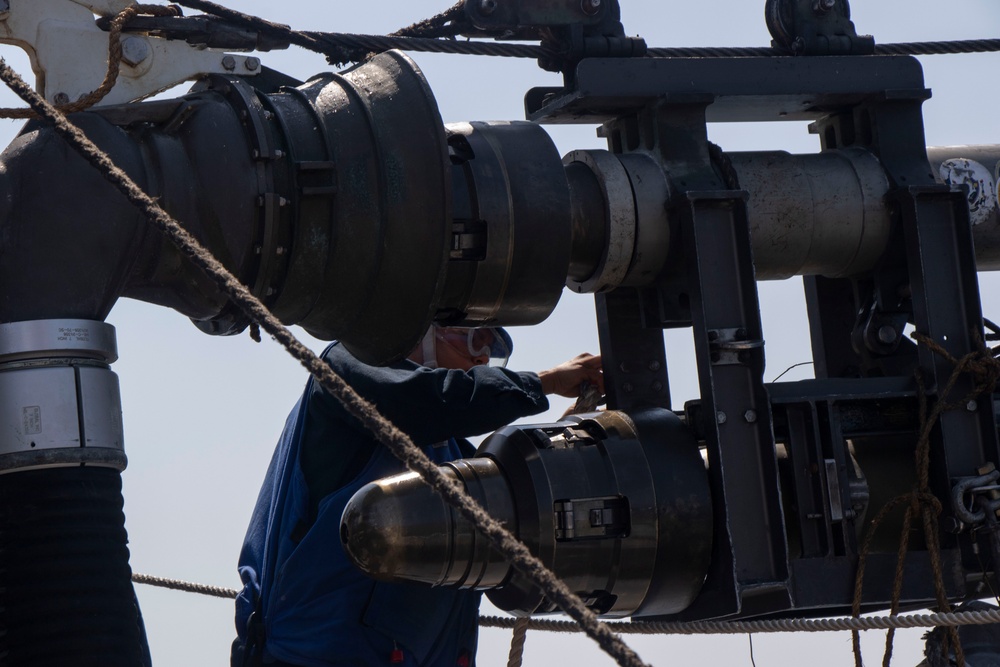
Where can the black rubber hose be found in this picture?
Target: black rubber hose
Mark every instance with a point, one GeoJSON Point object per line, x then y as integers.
{"type": "Point", "coordinates": [66, 595]}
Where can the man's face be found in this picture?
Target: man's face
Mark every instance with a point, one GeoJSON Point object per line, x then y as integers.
{"type": "Point", "coordinates": [458, 349]}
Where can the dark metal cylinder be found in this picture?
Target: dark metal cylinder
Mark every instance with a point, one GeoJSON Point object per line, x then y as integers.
{"type": "Point", "coordinates": [511, 232]}
{"type": "Point", "coordinates": [816, 214]}
{"type": "Point", "coordinates": [65, 585]}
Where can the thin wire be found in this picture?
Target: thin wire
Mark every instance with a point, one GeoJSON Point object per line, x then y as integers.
{"type": "Point", "coordinates": [801, 363]}
{"type": "Point", "coordinates": [752, 661]}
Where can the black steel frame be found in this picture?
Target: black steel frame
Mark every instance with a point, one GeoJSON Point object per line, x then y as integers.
{"type": "Point", "coordinates": [787, 531]}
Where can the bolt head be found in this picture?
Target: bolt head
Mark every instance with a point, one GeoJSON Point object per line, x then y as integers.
{"type": "Point", "coordinates": [750, 416]}
{"type": "Point", "coordinates": [60, 98]}
{"type": "Point", "coordinates": [590, 7]}
{"type": "Point", "coordinates": [228, 63]}
{"type": "Point", "coordinates": [628, 388]}
{"type": "Point", "coordinates": [135, 50]}
{"type": "Point", "coordinates": [972, 406]}
{"type": "Point", "coordinates": [252, 64]}
{"type": "Point", "coordinates": [655, 365]}
{"type": "Point", "coordinates": [720, 417]}
{"type": "Point", "coordinates": [487, 7]}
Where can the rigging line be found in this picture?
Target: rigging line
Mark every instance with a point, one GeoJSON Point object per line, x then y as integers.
{"type": "Point", "coordinates": [186, 586]}
{"type": "Point", "coordinates": [780, 625]}
{"type": "Point", "coordinates": [342, 47]}
{"type": "Point", "coordinates": [784, 625]}
{"type": "Point", "coordinates": [908, 621]}
{"type": "Point", "coordinates": [398, 442]}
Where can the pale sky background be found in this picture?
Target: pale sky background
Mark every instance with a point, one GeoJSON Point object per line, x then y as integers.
{"type": "Point", "coordinates": [202, 414]}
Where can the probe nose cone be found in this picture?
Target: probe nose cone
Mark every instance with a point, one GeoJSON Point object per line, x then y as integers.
{"type": "Point", "coordinates": [398, 529]}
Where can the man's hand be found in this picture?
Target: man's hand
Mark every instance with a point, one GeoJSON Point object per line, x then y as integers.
{"type": "Point", "coordinates": [567, 378]}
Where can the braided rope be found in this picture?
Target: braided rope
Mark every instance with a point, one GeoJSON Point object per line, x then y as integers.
{"type": "Point", "coordinates": [951, 619]}
{"type": "Point", "coordinates": [841, 624]}
{"type": "Point", "coordinates": [517, 640]}
{"type": "Point", "coordinates": [398, 442]}
{"type": "Point", "coordinates": [186, 586]}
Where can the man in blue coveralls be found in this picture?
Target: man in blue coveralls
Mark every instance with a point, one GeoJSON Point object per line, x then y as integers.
{"type": "Point", "coordinates": [303, 603]}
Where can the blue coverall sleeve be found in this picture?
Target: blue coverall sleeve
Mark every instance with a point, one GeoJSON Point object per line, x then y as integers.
{"type": "Point", "coordinates": [431, 405]}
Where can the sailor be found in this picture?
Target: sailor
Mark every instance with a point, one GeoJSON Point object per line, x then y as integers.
{"type": "Point", "coordinates": [303, 603]}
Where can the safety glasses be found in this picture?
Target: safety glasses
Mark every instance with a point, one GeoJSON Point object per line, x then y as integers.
{"type": "Point", "coordinates": [486, 342]}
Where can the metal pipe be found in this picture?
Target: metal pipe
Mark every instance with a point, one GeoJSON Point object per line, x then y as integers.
{"type": "Point", "coordinates": [818, 214]}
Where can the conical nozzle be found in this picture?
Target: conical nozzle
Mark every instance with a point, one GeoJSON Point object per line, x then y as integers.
{"type": "Point", "coordinates": [398, 529]}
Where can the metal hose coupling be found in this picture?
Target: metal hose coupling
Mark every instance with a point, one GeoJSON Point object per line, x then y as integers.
{"type": "Point", "coordinates": [618, 506]}
{"type": "Point", "coordinates": [60, 403]}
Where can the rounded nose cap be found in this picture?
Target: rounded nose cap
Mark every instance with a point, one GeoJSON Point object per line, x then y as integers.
{"type": "Point", "coordinates": [397, 529]}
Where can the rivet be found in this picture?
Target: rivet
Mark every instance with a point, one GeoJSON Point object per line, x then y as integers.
{"type": "Point", "coordinates": [488, 6]}
{"type": "Point", "coordinates": [655, 365]}
{"type": "Point", "coordinates": [628, 388]}
{"type": "Point", "coordinates": [972, 406]}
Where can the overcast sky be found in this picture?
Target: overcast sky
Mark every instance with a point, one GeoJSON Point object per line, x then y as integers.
{"type": "Point", "coordinates": [202, 414]}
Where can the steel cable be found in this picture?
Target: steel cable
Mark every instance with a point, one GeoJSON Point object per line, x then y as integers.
{"type": "Point", "coordinates": [343, 47]}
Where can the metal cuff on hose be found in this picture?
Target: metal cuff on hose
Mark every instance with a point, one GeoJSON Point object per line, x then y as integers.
{"type": "Point", "coordinates": [60, 403]}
